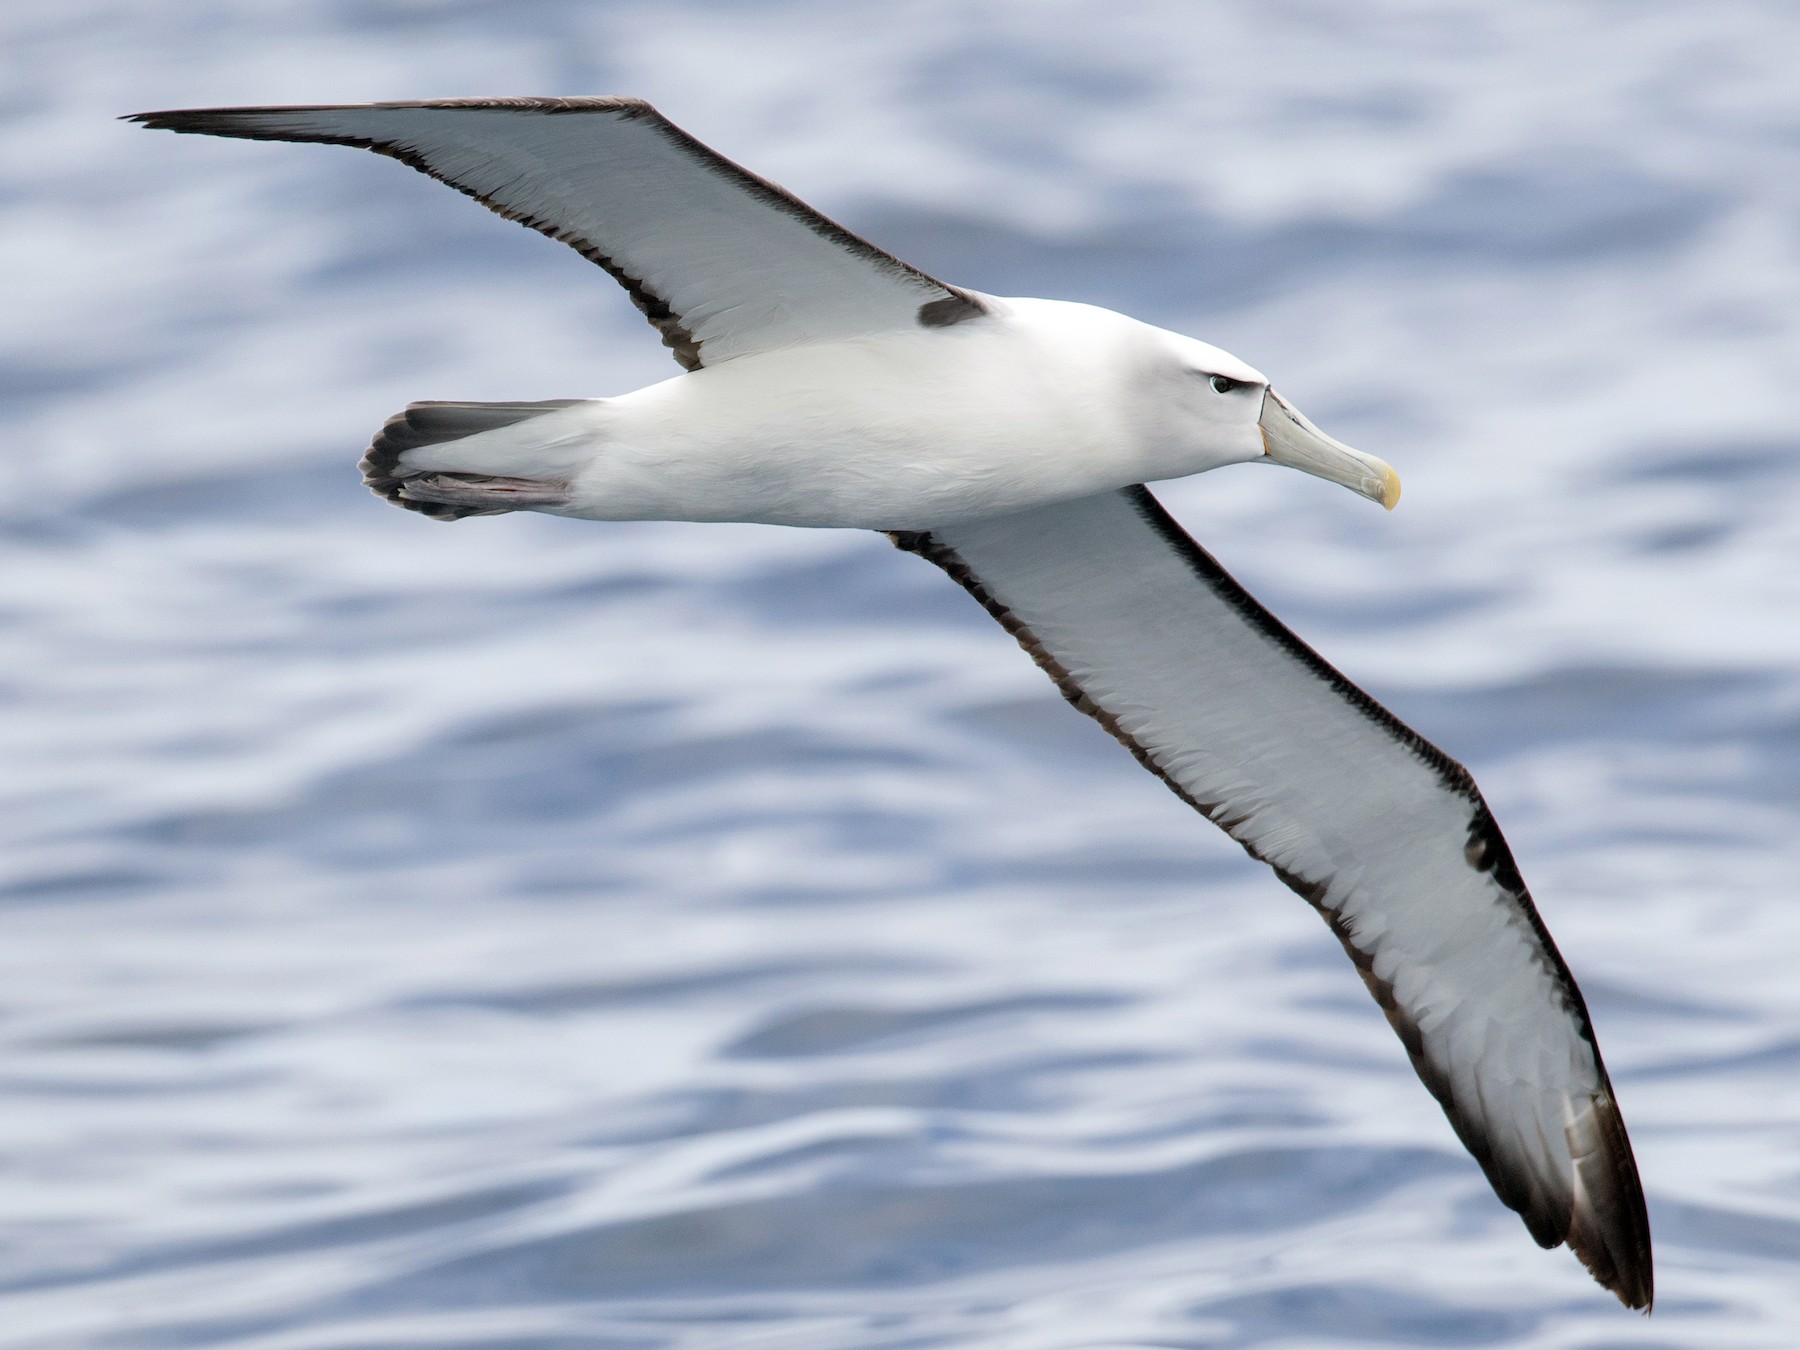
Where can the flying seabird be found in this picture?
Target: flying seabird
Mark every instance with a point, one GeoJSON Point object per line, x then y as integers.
{"type": "Point", "coordinates": [1008, 440]}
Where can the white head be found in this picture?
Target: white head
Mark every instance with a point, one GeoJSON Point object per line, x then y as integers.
{"type": "Point", "coordinates": [1205, 408]}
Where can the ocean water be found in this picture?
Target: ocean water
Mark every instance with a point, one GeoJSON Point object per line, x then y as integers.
{"type": "Point", "coordinates": [543, 935]}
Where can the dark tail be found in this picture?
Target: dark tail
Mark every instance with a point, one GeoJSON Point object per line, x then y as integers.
{"type": "Point", "coordinates": [425, 424]}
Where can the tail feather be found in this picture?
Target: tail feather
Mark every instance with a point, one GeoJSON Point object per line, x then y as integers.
{"type": "Point", "coordinates": [425, 424]}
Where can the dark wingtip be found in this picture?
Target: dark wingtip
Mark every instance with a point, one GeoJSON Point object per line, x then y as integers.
{"type": "Point", "coordinates": [206, 122]}
{"type": "Point", "coordinates": [1634, 1285]}
{"type": "Point", "coordinates": [1609, 1230]}
{"type": "Point", "coordinates": [226, 121]}
{"type": "Point", "coordinates": [250, 124]}
{"type": "Point", "coordinates": [181, 119]}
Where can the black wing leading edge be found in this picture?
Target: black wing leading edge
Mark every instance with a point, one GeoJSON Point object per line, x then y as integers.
{"type": "Point", "coordinates": [723, 263]}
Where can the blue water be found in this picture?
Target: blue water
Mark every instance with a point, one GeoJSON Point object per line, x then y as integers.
{"type": "Point", "coordinates": [541, 935]}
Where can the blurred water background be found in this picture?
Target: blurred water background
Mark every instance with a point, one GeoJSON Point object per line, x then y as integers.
{"type": "Point", "coordinates": [542, 935]}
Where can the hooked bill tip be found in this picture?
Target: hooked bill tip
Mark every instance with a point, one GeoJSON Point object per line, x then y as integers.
{"type": "Point", "coordinates": [1390, 488]}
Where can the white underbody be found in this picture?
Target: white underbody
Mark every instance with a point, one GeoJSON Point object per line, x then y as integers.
{"type": "Point", "coordinates": [1038, 401]}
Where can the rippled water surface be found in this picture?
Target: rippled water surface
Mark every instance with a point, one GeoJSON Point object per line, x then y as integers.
{"type": "Point", "coordinates": [542, 935]}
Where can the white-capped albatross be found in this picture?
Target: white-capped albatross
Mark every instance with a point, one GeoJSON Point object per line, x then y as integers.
{"type": "Point", "coordinates": [830, 384]}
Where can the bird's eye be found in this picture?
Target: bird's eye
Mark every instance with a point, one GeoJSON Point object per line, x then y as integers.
{"type": "Point", "coordinates": [1224, 383]}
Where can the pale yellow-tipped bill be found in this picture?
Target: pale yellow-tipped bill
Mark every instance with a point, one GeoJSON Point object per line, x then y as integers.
{"type": "Point", "coordinates": [1288, 438]}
